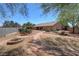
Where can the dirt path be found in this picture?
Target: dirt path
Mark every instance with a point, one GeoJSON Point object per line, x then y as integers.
{"type": "Point", "coordinates": [36, 35]}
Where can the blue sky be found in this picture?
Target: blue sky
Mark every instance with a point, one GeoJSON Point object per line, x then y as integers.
{"type": "Point", "coordinates": [35, 15]}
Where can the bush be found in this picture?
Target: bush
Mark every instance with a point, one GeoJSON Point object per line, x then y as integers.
{"type": "Point", "coordinates": [24, 31]}
{"type": "Point", "coordinates": [18, 51]}
{"type": "Point", "coordinates": [47, 30]}
{"type": "Point", "coordinates": [26, 28]}
{"type": "Point", "coordinates": [55, 30]}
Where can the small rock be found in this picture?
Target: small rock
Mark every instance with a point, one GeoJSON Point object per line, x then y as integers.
{"type": "Point", "coordinates": [34, 49]}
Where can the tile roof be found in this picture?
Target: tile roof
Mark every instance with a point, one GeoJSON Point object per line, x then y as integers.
{"type": "Point", "coordinates": [45, 24]}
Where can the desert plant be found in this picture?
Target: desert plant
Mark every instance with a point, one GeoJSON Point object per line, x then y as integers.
{"type": "Point", "coordinates": [25, 31]}
{"type": "Point", "coordinates": [47, 30]}
{"type": "Point", "coordinates": [26, 28]}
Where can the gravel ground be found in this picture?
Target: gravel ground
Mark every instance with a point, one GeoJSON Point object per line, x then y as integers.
{"type": "Point", "coordinates": [38, 43]}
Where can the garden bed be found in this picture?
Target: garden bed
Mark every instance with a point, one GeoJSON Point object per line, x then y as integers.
{"type": "Point", "coordinates": [14, 41]}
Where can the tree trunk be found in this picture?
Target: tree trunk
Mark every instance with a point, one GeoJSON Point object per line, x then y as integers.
{"type": "Point", "coordinates": [65, 27]}
{"type": "Point", "coordinates": [73, 30]}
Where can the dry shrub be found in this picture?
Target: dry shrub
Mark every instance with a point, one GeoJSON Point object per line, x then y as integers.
{"type": "Point", "coordinates": [60, 45]}
{"type": "Point", "coordinates": [13, 52]}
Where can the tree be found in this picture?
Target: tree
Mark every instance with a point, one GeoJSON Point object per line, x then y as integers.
{"type": "Point", "coordinates": [69, 17]}
{"type": "Point", "coordinates": [17, 25]}
{"type": "Point", "coordinates": [28, 25]}
{"type": "Point", "coordinates": [64, 24]}
{"type": "Point", "coordinates": [10, 24]}
{"type": "Point", "coordinates": [26, 28]}
{"type": "Point", "coordinates": [73, 21]}
{"type": "Point", "coordinates": [68, 12]}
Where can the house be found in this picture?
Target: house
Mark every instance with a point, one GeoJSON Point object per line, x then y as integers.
{"type": "Point", "coordinates": [48, 26]}
{"type": "Point", "coordinates": [54, 26]}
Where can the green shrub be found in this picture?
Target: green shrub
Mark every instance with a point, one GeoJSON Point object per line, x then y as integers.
{"type": "Point", "coordinates": [54, 30]}
{"type": "Point", "coordinates": [24, 30]}
{"type": "Point", "coordinates": [47, 30]}
{"type": "Point", "coordinates": [29, 30]}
